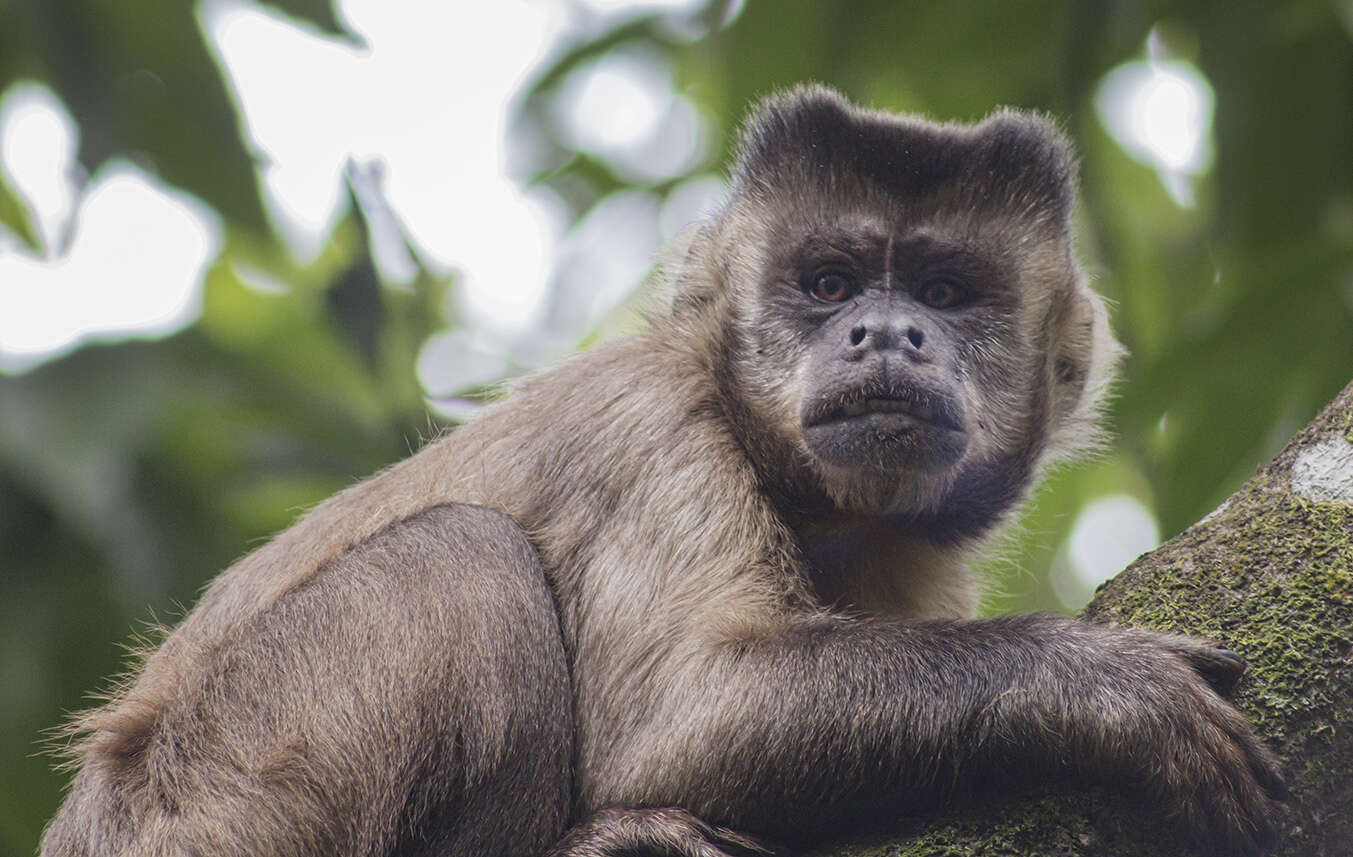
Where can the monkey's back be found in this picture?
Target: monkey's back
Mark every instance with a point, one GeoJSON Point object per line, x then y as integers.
{"type": "Point", "coordinates": [624, 401]}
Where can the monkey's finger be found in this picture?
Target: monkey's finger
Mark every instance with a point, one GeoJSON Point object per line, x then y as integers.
{"type": "Point", "coordinates": [1229, 824]}
{"type": "Point", "coordinates": [1267, 773]}
{"type": "Point", "coordinates": [1263, 832]}
{"type": "Point", "coordinates": [1256, 837]}
{"type": "Point", "coordinates": [1260, 826]}
{"type": "Point", "coordinates": [1254, 807]}
{"type": "Point", "coordinates": [1273, 782]}
{"type": "Point", "coordinates": [1216, 777]}
{"type": "Point", "coordinates": [1252, 796]}
{"type": "Point", "coordinates": [1220, 668]}
{"type": "Point", "coordinates": [1263, 764]}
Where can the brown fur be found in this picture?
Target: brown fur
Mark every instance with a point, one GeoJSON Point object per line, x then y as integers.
{"type": "Point", "coordinates": [674, 592]}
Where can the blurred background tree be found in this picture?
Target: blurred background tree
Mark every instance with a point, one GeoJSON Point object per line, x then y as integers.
{"type": "Point", "coordinates": [252, 252]}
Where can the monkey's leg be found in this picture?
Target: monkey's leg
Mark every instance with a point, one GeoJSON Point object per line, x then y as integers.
{"type": "Point", "coordinates": [668, 832]}
{"type": "Point", "coordinates": [411, 698]}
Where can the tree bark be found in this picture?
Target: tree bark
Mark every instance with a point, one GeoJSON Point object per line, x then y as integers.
{"type": "Point", "coordinates": [1268, 574]}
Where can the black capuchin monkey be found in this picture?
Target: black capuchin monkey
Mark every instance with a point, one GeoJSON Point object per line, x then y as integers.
{"type": "Point", "coordinates": [708, 586]}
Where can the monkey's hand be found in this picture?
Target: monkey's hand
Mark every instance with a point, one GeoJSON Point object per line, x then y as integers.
{"type": "Point", "coordinates": [1175, 736]}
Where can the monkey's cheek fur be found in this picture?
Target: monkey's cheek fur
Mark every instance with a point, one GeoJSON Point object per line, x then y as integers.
{"type": "Point", "coordinates": [885, 441]}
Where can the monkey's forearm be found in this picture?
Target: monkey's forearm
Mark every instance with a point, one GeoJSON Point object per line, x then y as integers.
{"type": "Point", "coordinates": [868, 718]}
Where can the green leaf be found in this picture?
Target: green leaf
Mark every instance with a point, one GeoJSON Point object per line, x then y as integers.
{"type": "Point", "coordinates": [14, 217]}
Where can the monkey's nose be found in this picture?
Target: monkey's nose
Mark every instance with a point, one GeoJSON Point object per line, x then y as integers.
{"type": "Point", "coordinates": [878, 335]}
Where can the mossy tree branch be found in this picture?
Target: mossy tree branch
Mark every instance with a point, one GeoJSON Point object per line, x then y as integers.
{"type": "Point", "coordinates": [1270, 575]}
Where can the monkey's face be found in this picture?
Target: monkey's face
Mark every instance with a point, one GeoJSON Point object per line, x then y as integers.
{"type": "Point", "coordinates": [904, 309]}
{"type": "Point", "coordinates": [901, 340]}
{"type": "Point", "coordinates": [883, 319]}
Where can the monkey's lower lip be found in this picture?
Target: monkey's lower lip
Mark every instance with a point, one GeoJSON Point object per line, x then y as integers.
{"type": "Point", "coordinates": [909, 409]}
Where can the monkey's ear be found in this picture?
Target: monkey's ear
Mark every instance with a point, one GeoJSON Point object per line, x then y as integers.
{"type": "Point", "coordinates": [1084, 366]}
{"type": "Point", "coordinates": [786, 127]}
{"type": "Point", "coordinates": [1028, 163]}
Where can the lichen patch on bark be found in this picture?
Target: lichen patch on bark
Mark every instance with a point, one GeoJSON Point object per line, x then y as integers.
{"type": "Point", "coordinates": [1325, 471]}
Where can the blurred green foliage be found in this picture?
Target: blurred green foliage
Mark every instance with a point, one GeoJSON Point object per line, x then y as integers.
{"type": "Point", "coordinates": [131, 473]}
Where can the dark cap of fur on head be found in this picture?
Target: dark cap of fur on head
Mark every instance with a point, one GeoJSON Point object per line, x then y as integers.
{"type": "Point", "coordinates": [1016, 160]}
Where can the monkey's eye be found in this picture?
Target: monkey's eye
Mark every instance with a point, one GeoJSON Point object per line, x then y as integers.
{"type": "Point", "coordinates": [832, 288]}
{"type": "Point", "coordinates": [941, 294]}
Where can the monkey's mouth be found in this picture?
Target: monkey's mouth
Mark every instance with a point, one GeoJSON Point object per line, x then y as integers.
{"type": "Point", "coordinates": [911, 405]}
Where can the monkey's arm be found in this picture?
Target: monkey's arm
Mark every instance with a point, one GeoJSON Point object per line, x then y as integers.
{"type": "Point", "coordinates": [829, 725]}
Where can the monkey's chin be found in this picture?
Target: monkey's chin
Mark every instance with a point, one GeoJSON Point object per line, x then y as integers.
{"type": "Point", "coordinates": [885, 443]}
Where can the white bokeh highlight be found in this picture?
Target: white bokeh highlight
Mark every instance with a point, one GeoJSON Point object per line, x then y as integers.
{"type": "Point", "coordinates": [134, 266]}
{"type": "Point", "coordinates": [614, 102]}
{"type": "Point", "coordinates": [605, 255]}
{"type": "Point", "coordinates": [694, 199]}
{"type": "Point", "coordinates": [427, 98]}
{"type": "Point", "coordinates": [622, 108]}
{"type": "Point", "coordinates": [413, 111]}
{"type": "Point", "coordinates": [1108, 533]}
{"type": "Point", "coordinates": [1160, 112]}
{"type": "Point", "coordinates": [38, 142]}
{"type": "Point", "coordinates": [454, 361]}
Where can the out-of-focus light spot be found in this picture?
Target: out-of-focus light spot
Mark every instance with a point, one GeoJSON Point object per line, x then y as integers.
{"type": "Point", "coordinates": [680, 144]}
{"type": "Point", "coordinates": [600, 263]}
{"type": "Point", "coordinates": [455, 361]}
{"type": "Point", "coordinates": [615, 102]}
{"type": "Point", "coordinates": [691, 200]}
{"type": "Point", "coordinates": [291, 88]}
{"type": "Point", "coordinates": [134, 267]}
{"type": "Point", "coordinates": [732, 12]}
{"type": "Point", "coordinates": [611, 6]}
{"type": "Point", "coordinates": [621, 108]}
{"type": "Point", "coordinates": [1160, 112]}
{"type": "Point", "coordinates": [1108, 534]}
{"type": "Point", "coordinates": [427, 100]}
{"type": "Point", "coordinates": [1171, 113]}
{"type": "Point", "coordinates": [38, 141]}
{"type": "Point", "coordinates": [505, 276]}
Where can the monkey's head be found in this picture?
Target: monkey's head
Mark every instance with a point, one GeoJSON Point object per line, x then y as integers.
{"type": "Point", "coordinates": [899, 305]}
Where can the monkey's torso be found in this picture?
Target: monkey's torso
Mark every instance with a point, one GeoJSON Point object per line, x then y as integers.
{"type": "Point", "coordinates": [617, 548]}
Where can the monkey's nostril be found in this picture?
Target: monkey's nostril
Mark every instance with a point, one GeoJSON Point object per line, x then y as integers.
{"type": "Point", "coordinates": [857, 334]}
{"type": "Point", "coordinates": [915, 337]}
